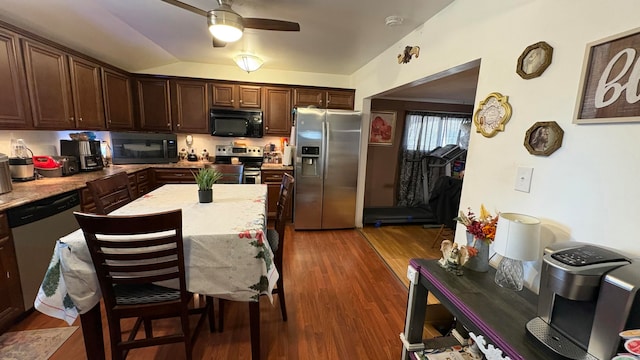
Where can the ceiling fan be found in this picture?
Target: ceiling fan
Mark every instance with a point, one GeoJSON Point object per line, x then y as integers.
{"type": "Point", "coordinates": [227, 25]}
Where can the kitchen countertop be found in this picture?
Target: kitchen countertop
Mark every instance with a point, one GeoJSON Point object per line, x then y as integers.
{"type": "Point", "coordinates": [29, 191]}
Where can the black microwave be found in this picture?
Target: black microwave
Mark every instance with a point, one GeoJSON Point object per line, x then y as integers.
{"type": "Point", "coordinates": [236, 123]}
{"type": "Point", "coordinates": [143, 148]}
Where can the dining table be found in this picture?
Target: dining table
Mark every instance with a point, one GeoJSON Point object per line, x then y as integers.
{"type": "Point", "coordinates": [226, 256]}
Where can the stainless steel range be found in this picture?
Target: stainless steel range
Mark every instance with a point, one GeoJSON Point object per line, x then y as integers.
{"type": "Point", "coordinates": [249, 156]}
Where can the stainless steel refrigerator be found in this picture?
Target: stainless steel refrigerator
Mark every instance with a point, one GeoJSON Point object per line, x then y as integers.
{"type": "Point", "coordinates": [326, 168]}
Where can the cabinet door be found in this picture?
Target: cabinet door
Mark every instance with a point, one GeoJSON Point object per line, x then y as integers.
{"type": "Point", "coordinates": [154, 105]}
{"type": "Point", "coordinates": [49, 87]}
{"type": "Point", "coordinates": [277, 111]}
{"type": "Point", "coordinates": [190, 107]}
{"type": "Point", "coordinates": [223, 95]}
{"type": "Point", "coordinates": [11, 304]}
{"type": "Point", "coordinates": [308, 97]}
{"type": "Point", "coordinates": [173, 176]}
{"type": "Point", "coordinates": [86, 87]}
{"type": "Point", "coordinates": [118, 104]}
{"type": "Point", "coordinates": [14, 102]}
{"type": "Point", "coordinates": [338, 99]}
{"type": "Point", "coordinates": [249, 96]}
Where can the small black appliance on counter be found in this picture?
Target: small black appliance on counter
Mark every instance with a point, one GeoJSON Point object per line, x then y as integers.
{"type": "Point", "coordinates": [87, 151]}
{"type": "Point", "coordinates": [588, 295]}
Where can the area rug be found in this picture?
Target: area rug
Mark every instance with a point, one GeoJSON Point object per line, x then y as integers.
{"type": "Point", "coordinates": [33, 344]}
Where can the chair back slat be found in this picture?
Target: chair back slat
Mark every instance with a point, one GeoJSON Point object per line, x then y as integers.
{"type": "Point", "coordinates": [231, 173]}
{"type": "Point", "coordinates": [283, 200]}
{"type": "Point", "coordinates": [121, 259]}
{"type": "Point", "coordinates": [110, 192]}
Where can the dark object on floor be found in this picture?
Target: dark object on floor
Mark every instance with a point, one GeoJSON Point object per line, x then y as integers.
{"type": "Point", "coordinates": [442, 208]}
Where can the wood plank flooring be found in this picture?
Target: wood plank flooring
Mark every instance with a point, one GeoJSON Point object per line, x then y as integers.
{"type": "Point", "coordinates": [343, 302]}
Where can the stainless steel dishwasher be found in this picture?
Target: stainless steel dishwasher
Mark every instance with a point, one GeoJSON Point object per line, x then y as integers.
{"type": "Point", "coordinates": [36, 227]}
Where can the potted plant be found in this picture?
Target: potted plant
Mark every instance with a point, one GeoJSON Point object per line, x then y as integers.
{"type": "Point", "coordinates": [205, 178]}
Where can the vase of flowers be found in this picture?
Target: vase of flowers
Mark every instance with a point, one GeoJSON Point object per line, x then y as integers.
{"type": "Point", "coordinates": [481, 231]}
{"type": "Point", "coordinates": [205, 178]}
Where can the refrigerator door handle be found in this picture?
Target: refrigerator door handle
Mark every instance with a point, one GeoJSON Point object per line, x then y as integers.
{"type": "Point", "coordinates": [325, 129]}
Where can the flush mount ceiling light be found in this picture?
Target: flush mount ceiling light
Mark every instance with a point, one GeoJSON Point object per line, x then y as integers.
{"type": "Point", "coordinates": [225, 25]}
{"type": "Point", "coordinates": [393, 20]}
{"type": "Point", "coordinates": [248, 62]}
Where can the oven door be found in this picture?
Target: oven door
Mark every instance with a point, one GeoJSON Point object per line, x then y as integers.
{"type": "Point", "coordinates": [252, 176]}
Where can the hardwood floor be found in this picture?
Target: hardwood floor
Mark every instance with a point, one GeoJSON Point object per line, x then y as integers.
{"type": "Point", "coordinates": [343, 302]}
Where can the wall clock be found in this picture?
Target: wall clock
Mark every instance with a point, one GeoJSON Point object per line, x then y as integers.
{"type": "Point", "coordinates": [493, 112]}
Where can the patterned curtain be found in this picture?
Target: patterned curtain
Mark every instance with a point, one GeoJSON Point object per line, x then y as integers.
{"type": "Point", "coordinates": [423, 133]}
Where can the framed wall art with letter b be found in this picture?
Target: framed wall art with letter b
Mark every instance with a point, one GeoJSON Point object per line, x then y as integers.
{"type": "Point", "coordinates": [610, 82]}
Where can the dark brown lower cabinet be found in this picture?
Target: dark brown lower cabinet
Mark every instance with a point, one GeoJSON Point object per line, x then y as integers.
{"type": "Point", "coordinates": [11, 304]}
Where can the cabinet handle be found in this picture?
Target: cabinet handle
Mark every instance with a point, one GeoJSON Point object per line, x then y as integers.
{"type": "Point", "coordinates": [179, 174]}
{"type": "Point", "coordinates": [232, 101]}
{"type": "Point", "coordinates": [71, 119]}
{"type": "Point", "coordinates": [109, 121]}
{"type": "Point", "coordinates": [80, 119]}
{"type": "Point", "coordinates": [240, 101]}
{"type": "Point", "coordinates": [178, 124]}
{"type": "Point", "coordinates": [168, 124]}
{"type": "Point", "coordinates": [266, 128]}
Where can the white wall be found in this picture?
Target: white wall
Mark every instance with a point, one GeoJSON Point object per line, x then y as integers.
{"type": "Point", "coordinates": [587, 190]}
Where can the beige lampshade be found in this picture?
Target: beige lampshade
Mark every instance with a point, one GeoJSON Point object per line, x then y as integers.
{"type": "Point", "coordinates": [517, 237]}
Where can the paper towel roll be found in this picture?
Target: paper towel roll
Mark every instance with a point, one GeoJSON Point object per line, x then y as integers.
{"type": "Point", "coordinates": [292, 138]}
{"type": "Point", "coordinates": [286, 156]}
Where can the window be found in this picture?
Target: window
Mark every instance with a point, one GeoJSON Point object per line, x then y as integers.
{"type": "Point", "coordinates": [427, 131]}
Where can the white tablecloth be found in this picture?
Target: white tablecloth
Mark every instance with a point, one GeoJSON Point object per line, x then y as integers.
{"type": "Point", "coordinates": [226, 252]}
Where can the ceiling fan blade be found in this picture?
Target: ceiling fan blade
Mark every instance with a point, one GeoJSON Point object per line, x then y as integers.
{"type": "Point", "coordinates": [218, 43]}
{"type": "Point", "coordinates": [270, 24]}
{"type": "Point", "coordinates": [187, 7]}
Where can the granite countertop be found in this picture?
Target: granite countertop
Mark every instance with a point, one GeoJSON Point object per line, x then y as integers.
{"type": "Point", "coordinates": [29, 191]}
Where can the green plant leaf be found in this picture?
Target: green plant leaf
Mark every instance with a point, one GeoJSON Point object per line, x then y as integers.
{"type": "Point", "coordinates": [206, 177]}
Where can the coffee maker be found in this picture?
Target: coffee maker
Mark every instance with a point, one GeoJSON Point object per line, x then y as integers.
{"type": "Point", "coordinates": [86, 151]}
{"type": "Point", "coordinates": [588, 295]}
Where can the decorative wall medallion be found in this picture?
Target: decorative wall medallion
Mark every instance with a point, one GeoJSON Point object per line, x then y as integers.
{"type": "Point", "coordinates": [534, 60]}
{"type": "Point", "coordinates": [409, 52]}
{"type": "Point", "coordinates": [493, 112]}
{"type": "Point", "coordinates": [543, 138]}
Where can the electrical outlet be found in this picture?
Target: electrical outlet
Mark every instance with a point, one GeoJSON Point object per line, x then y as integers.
{"type": "Point", "coordinates": [523, 179]}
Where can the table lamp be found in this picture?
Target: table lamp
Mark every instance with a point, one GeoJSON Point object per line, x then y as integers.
{"type": "Point", "coordinates": [517, 239]}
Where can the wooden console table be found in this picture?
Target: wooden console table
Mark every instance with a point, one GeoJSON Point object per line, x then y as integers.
{"type": "Point", "coordinates": [484, 308]}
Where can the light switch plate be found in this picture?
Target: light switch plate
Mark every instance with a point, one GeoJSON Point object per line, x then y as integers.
{"type": "Point", "coordinates": [523, 179]}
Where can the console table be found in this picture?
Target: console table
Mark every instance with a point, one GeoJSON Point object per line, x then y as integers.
{"type": "Point", "coordinates": [483, 307]}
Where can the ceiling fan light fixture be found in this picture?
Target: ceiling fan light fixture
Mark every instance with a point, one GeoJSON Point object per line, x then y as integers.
{"type": "Point", "coordinates": [226, 26]}
{"type": "Point", "coordinates": [248, 62]}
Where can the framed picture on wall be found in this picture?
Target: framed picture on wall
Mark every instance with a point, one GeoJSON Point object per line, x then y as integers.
{"type": "Point", "coordinates": [608, 90]}
{"type": "Point", "coordinates": [383, 125]}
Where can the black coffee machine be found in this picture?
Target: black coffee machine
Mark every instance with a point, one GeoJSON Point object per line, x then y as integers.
{"type": "Point", "coordinates": [588, 295]}
{"type": "Point", "coordinates": [86, 151]}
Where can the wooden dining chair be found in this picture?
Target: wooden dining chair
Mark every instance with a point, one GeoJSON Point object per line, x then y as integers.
{"type": "Point", "coordinates": [275, 238]}
{"type": "Point", "coordinates": [111, 192]}
{"type": "Point", "coordinates": [131, 254]}
{"type": "Point", "coordinates": [231, 173]}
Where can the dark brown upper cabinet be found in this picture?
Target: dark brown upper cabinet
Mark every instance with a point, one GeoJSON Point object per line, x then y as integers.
{"type": "Point", "coordinates": [154, 104]}
{"type": "Point", "coordinates": [65, 91]}
{"type": "Point", "coordinates": [190, 106]}
{"type": "Point", "coordinates": [277, 111]}
{"type": "Point", "coordinates": [237, 96]}
{"type": "Point", "coordinates": [14, 102]}
{"type": "Point", "coordinates": [118, 101]}
{"type": "Point", "coordinates": [49, 86]}
{"type": "Point", "coordinates": [323, 98]}
{"type": "Point", "coordinates": [86, 87]}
